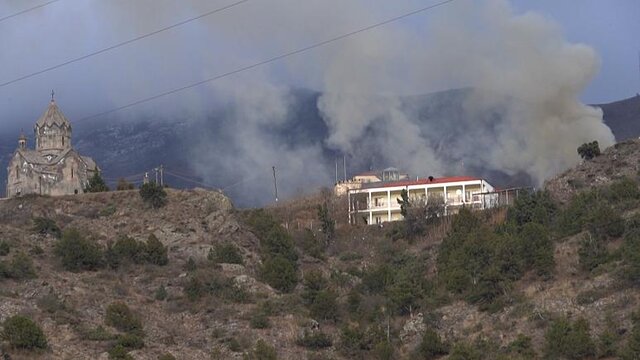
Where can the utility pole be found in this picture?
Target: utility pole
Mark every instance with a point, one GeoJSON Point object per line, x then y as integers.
{"type": "Point", "coordinates": [344, 164]}
{"type": "Point", "coordinates": [336, 171]}
{"type": "Point", "coordinates": [275, 182]}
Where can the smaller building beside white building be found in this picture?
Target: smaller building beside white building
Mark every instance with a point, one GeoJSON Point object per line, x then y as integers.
{"type": "Point", "coordinates": [377, 202]}
{"type": "Point", "coordinates": [374, 176]}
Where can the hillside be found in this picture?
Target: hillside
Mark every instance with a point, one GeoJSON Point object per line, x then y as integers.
{"type": "Point", "coordinates": [506, 283]}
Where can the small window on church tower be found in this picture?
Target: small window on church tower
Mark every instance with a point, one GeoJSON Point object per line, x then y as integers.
{"type": "Point", "coordinates": [63, 141]}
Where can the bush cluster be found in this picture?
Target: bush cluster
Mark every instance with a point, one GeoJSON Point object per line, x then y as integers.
{"type": "Point", "coordinates": [153, 195]}
{"type": "Point", "coordinates": [96, 184]}
{"type": "Point", "coordinates": [321, 301]}
{"type": "Point", "coordinates": [199, 285]}
{"type": "Point", "coordinates": [262, 351]}
{"type": "Point", "coordinates": [480, 264]}
{"type": "Point", "coordinates": [78, 253]}
{"type": "Point", "coordinates": [20, 267]}
{"type": "Point", "coordinates": [225, 253]}
{"type": "Point", "coordinates": [23, 333]}
{"type": "Point", "coordinates": [279, 268]}
{"type": "Point", "coordinates": [431, 346]}
{"type": "Point", "coordinates": [46, 226]}
{"type": "Point", "coordinates": [128, 250]}
{"type": "Point", "coordinates": [569, 339]}
{"type": "Point", "coordinates": [119, 316]}
{"type": "Point", "coordinates": [314, 340]}
{"type": "Point", "coordinates": [5, 248]}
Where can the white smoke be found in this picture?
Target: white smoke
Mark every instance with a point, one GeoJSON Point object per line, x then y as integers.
{"type": "Point", "coordinates": [534, 73]}
{"type": "Point", "coordinates": [519, 67]}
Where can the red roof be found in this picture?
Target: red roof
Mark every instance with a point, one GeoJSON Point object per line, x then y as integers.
{"type": "Point", "coordinates": [422, 181]}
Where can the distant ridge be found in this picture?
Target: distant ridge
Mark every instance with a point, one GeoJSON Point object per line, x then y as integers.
{"type": "Point", "coordinates": [623, 117]}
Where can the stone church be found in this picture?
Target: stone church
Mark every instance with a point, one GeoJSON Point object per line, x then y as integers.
{"type": "Point", "coordinates": [54, 167]}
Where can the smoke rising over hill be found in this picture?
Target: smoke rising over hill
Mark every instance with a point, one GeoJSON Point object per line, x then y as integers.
{"type": "Point", "coordinates": [521, 115]}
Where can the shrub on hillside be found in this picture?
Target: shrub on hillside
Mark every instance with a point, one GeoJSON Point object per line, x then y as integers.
{"type": "Point", "coordinates": [22, 332]}
{"type": "Point", "coordinates": [21, 267]}
{"type": "Point", "coordinates": [521, 348]}
{"type": "Point", "coordinates": [632, 349]}
{"type": "Point", "coordinates": [262, 351]}
{"type": "Point", "coordinates": [325, 306]}
{"type": "Point", "coordinates": [156, 253]}
{"type": "Point", "coordinates": [119, 316]}
{"type": "Point", "coordinates": [96, 184]}
{"type": "Point", "coordinates": [280, 273]}
{"type": "Point", "coordinates": [623, 190]}
{"type": "Point", "coordinates": [194, 288]}
{"type": "Point", "coordinates": [5, 248]}
{"type": "Point", "coordinates": [572, 219]}
{"type": "Point", "coordinates": [279, 268]}
{"type": "Point", "coordinates": [130, 341]}
{"type": "Point", "coordinates": [315, 340]}
{"type": "Point", "coordinates": [431, 346]}
{"type": "Point", "coordinates": [592, 252]}
{"type": "Point", "coordinates": [46, 226]}
{"type": "Point", "coordinates": [128, 250]}
{"type": "Point", "coordinates": [259, 320]}
{"type": "Point", "coordinates": [536, 248]}
{"type": "Point", "coordinates": [464, 351]}
{"type": "Point", "coordinates": [311, 244]}
{"type": "Point", "coordinates": [537, 207]}
{"type": "Point", "coordinates": [119, 352]}
{"type": "Point", "coordinates": [153, 195]}
{"type": "Point", "coordinates": [327, 224]}
{"type": "Point", "coordinates": [77, 253]}
{"type": "Point", "coordinates": [631, 253]}
{"type": "Point", "coordinates": [225, 253]}
{"type": "Point", "coordinates": [605, 222]}
{"type": "Point", "coordinates": [125, 250]}
{"type": "Point", "coordinates": [589, 150]}
{"type": "Point", "coordinates": [570, 340]}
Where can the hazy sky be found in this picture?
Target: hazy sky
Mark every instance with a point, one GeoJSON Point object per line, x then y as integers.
{"type": "Point", "coordinates": [244, 34]}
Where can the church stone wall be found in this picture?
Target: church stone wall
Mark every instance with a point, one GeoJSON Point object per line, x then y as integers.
{"type": "Point", "coordinates": [68, 177]}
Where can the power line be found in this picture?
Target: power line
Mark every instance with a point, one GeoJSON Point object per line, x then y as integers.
{"type": "Point", "coordinates": [270, 60]}
{"type": "Point", "coordinates": [122, 43]}
{"type": "Point", "coordinates": [189, 180]}
{"type": "Point", "coordinates": [27, 10]}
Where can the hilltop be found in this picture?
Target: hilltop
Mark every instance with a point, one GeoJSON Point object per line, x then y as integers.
{"type": "Point", "coordinates": [505, 283]}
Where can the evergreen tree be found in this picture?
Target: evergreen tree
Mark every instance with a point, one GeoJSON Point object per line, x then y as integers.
{"type": "Point", "coordinates": [96, 184]}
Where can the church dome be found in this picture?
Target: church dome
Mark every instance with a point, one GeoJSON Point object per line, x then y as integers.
{"type": "Point", "coordinates": [53, 116]}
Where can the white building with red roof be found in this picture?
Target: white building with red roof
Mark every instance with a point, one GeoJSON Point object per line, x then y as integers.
{"type": "Point", "coordinates": [377, 202]}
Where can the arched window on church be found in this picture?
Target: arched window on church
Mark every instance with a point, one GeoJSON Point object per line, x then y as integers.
{"type": "Point", "coordinates": [72, 173]}
{"type": "Point", "coordinates": [63, 140]}
{"type": "Point", "coordinates": [17, 172]}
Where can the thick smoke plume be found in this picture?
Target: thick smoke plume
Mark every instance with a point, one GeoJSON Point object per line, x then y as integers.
{"type": "Point", "coordinates": [519, 113]}
{"type": "Point", "coordinates": [518, 65]}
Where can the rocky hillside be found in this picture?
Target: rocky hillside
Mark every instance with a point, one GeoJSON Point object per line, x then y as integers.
{"type": "Point", "coordinates": [617, 162]}
{"type": "Point", "coordinates": [555, 276]}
